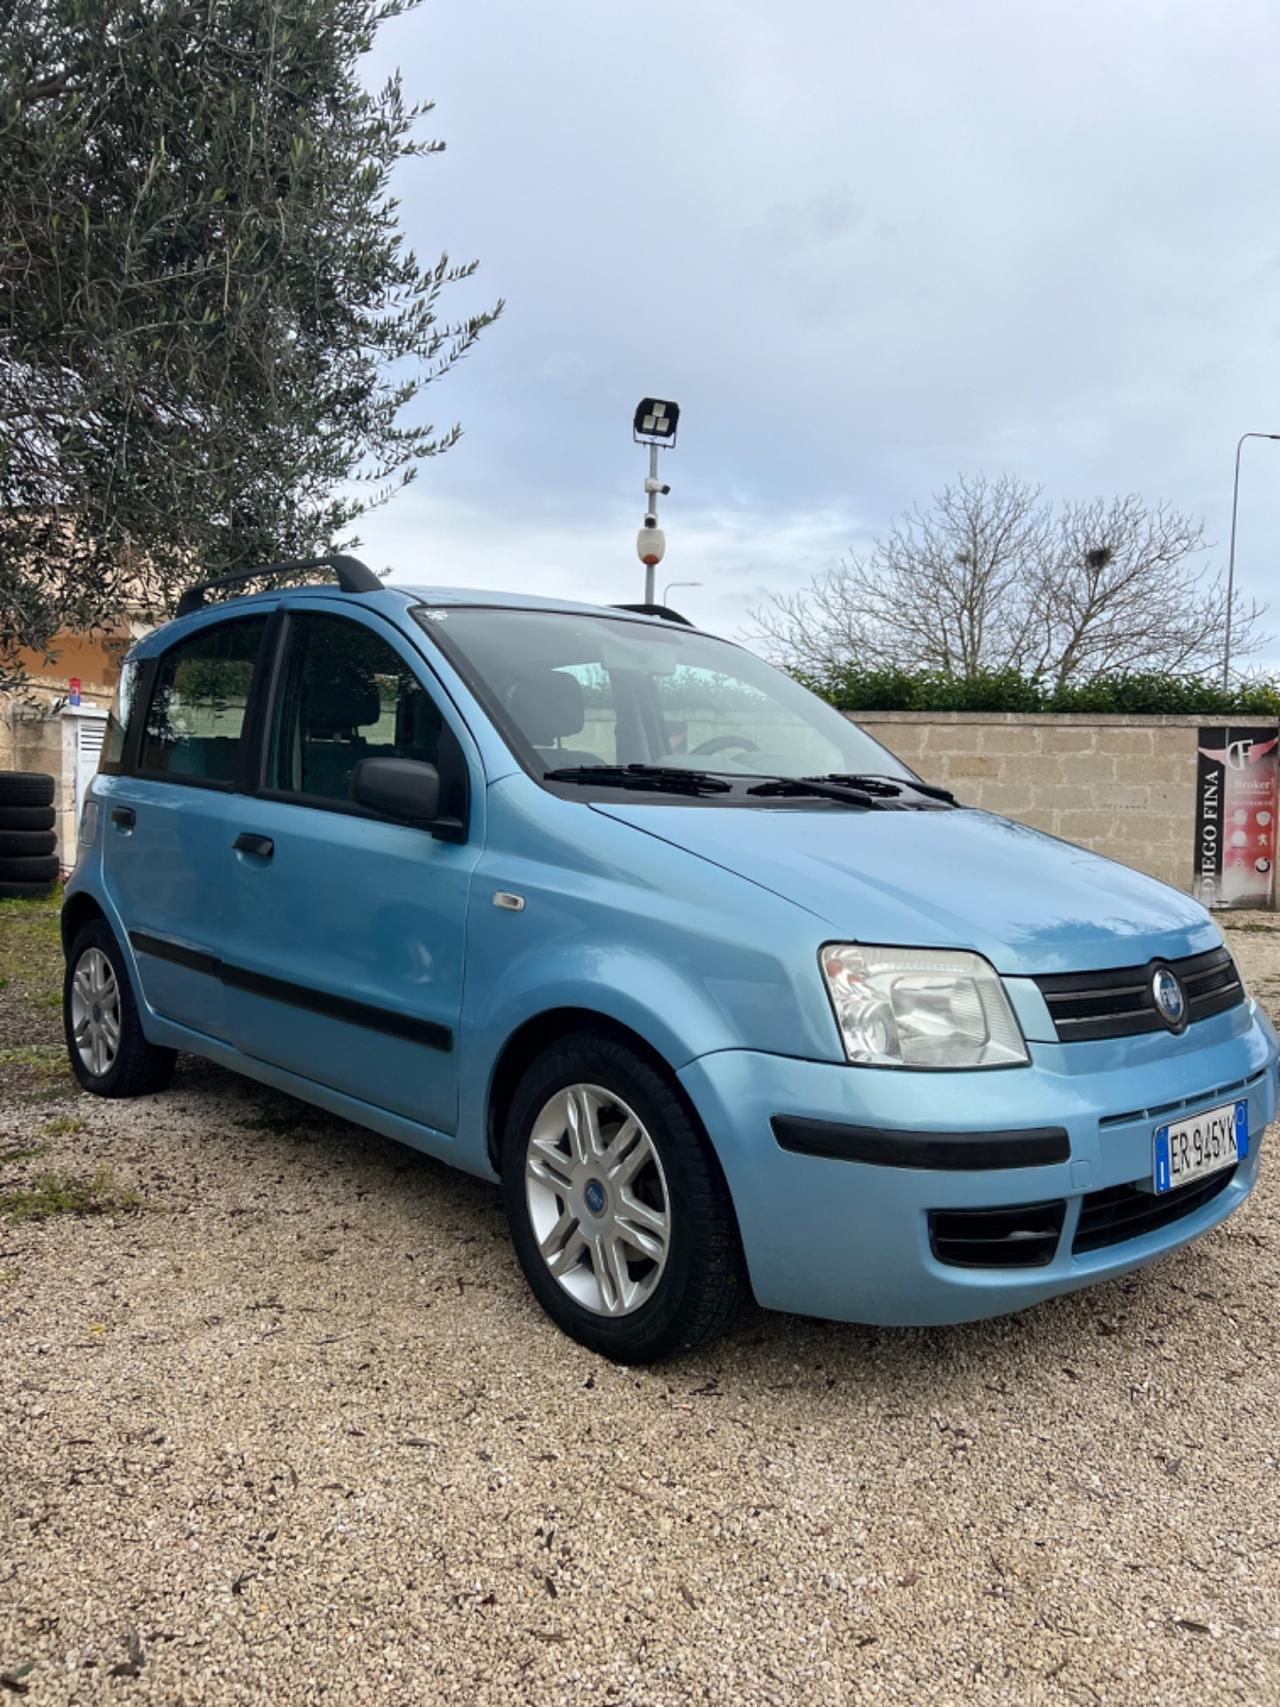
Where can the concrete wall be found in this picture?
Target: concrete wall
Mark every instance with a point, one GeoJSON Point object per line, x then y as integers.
{"type": "Point", "coordinates": [1123, 786]}
{"type": "Point", "coordinates": [31, 739]}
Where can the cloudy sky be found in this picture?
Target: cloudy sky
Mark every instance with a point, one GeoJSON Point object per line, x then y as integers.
{"type": "Point", "coordinates": [865, 246]}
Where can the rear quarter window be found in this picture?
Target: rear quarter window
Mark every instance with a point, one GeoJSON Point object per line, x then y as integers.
{"type": "Point", "coordinates": [111, 759]}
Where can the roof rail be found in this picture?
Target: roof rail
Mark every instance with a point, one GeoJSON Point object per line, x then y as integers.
{"type": "Point", "coordinates": [352, 575]}
{"type": "Point", "coordinates": [664, 611]}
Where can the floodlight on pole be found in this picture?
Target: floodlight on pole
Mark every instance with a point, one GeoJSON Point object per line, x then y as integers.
{"type": "Point", "coordinates": [654, 424]}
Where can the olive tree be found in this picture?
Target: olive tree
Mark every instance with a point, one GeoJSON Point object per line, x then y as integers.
{"type": "Point", "coordinates": [211, 325]}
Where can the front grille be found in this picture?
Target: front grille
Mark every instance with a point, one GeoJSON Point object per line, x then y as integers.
{"type": "Point", "coordinates": [1086, 1006]}
{"type": "Point", "coordinates": [1127, 1211]}
{"type": "Point", "coordinates": [1021, 1235]}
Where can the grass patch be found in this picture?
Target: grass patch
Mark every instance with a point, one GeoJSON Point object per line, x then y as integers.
{"type": "Point", "coordinates": [1249, 926]}
{"type": "Point", "coordinates": [66, 1090]}
{"type": "Point", "coordinates": [30, 940]}
{"type": "Point", "coordinates": [62, 1127]}
{"type": "Point", "coordinates": [32, 1153]}
{"type": "Point", "coordinates": [31, 969]}
{"type": "Point", "coordinates": [47, 1059]}
{"type": "Point", "coordinates": [53, 1194]}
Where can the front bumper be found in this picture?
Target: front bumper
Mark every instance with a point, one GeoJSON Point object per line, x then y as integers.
{"type": "Point", "coordinates": [849, 1240]}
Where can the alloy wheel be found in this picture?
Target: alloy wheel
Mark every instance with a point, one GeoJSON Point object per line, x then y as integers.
{"type": "Point", "coordinates": [95, 1011]}
{"type": "Point", "coordinates": [598, 1200]}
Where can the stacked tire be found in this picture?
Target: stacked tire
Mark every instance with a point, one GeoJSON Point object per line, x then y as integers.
{"type": "Point", "coordinates": [28, 843]}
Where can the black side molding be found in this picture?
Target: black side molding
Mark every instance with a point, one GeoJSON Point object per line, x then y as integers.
{"type": "Point", "coordinates": [393, 1024]}
{"type": "Point", "coordinates": [339, 1007]}
{"type": "Point", "coordinates": [160, 948]}
{"type": "Point", "coordinates": [951, 1152]}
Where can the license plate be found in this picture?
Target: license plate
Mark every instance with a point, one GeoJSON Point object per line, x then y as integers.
{"type": "Point", "coordinates": [1188, 1149]}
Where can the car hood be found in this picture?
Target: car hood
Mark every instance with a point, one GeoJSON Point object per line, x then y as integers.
{"type": "Point", "coordinates": [943, 879]}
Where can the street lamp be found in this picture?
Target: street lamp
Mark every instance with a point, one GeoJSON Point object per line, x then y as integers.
{"type": "Point", "coordinates": [666, 591]}
{"type": "Point", "coordinates": [654, 424]}
{"type": "Point", "coordinates": [1231, 554]}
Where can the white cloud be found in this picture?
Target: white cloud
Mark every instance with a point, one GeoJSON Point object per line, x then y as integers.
{"type": "Point", "coordinates": [737, 554]}
{"type": "Point", "coordinates": [864, 246]}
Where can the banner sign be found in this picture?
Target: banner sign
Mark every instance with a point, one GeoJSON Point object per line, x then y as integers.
{"type": "Point", "coordinates": [1235, 817]}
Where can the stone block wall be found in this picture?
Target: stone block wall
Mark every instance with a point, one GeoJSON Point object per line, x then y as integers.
{"type": "Point", "coordinates": [1122, 786]}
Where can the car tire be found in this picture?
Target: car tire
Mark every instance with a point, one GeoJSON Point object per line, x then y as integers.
{"type": "Point", "coordinates": [42, 869]}
{"type": "Point", "coordinates": [25, 788]}
{"type": "Point", "coordinates": [23, 891]}
{"type": "Point", "coordinates": [27, 817]}
{"type": "Point", "coordinates": [26, 844]}
{"type": "Point", "coordinates": [109, 1060]}
{"type": "Point", "coordinates": [638, 1223]}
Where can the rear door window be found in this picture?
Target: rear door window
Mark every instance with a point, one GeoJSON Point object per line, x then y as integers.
{"type": "Point", "coordinates": [346, 695]}
{"type": "Point", "coordinates": [199, 701]}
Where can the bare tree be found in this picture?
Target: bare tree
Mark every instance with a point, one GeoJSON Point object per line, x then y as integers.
{"type": "Point", "coordinates": [1122, 592]}
{"type": "Point", "coordinates": [990, 577]}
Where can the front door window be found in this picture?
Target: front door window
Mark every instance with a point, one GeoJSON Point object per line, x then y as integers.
{"type": "Point", "coordinates": [347, 695]}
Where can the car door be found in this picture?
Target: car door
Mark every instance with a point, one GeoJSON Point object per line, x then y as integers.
{"type": "Point", "coordinates": [345, 958]}
{"type": "Point", "coordinates": [169, 814]}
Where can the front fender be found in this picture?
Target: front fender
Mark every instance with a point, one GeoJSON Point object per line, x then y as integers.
{"type": "Point", "coordinates": [632, 989]}
{"type": "Point", "coordinates": [689, 956]}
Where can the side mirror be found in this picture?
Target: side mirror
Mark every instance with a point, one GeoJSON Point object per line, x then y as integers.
{"type": "Point", "coordinates": [401, 788]}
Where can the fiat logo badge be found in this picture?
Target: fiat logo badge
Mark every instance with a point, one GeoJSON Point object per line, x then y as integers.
{"type": "Point", "coordinates": [1169, 997]}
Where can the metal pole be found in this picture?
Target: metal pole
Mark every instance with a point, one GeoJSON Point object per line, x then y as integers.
{"type": "Point", "coordinates": [651, 509]}
{"type": "Point", "coordinates": [1231, 554]}
{"type": "Point", "coordinates": [1231, 567]}
{"type": "Point", "coordinates": [666, 591]}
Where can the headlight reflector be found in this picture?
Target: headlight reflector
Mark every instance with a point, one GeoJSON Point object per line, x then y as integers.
{"type": "Point", "coordinates": [920, 1007]}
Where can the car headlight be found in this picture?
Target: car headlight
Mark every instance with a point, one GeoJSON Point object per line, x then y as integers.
{"type": "Point", "coordinates": [920, 1007]}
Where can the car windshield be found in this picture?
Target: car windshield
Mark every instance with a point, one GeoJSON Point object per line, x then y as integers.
{"type": "Point", "coordinates": [575, 691]}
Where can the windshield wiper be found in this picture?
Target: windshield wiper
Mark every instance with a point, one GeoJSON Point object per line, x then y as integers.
{"type": "Point", "coordinates": [887, 785]}
{"type": "Point", "coordinates": [655, 779]}
{"type": "Point", "coordinates": [872, 793]}
{"type": "Point", "coordinates": [818, 788]}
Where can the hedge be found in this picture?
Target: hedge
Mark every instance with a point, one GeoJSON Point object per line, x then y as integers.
{"type": "Point", "coordinates": [1127, 692]}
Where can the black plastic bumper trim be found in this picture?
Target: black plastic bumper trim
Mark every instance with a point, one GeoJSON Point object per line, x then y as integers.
{"type": "Point", "coordinates": [952, 1152]}
{"type": "Point", "coordinates": [1019, 1235]}
{"type": "Point", "coordinates": [407, 1026]}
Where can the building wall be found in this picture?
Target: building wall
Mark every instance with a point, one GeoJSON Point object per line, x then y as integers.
{"type": "Point", "coordinates": [34, 736]}
{"type": "Point", "coordinates": [93, 659]}
{"type": "Point", "coordinates": [1122, 786]}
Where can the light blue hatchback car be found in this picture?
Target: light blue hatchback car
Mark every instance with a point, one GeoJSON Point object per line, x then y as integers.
{"type": "Point", "coordinates": [608, 909]}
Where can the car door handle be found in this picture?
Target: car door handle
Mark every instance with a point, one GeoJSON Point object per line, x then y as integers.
{"type": "Point", "coordinates": [262, 847]}
{"type": "Point", "coordinates": [125, 816]}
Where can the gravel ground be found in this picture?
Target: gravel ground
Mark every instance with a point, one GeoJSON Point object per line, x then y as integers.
{"type": "Point", "coordinates": [288, 1429]}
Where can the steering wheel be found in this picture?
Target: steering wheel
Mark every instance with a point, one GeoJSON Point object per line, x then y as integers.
{"type": "Point", "coordinates": [722, 744]}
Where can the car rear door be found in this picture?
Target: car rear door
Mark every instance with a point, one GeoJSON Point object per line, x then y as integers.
{"type": "Point", "coordinates": [345, 952]}
{"type": "Point", "coordinates": [169, 811]}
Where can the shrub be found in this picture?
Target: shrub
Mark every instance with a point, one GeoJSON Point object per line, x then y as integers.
{"type": "Point", "coordinates": [1132, 693]}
